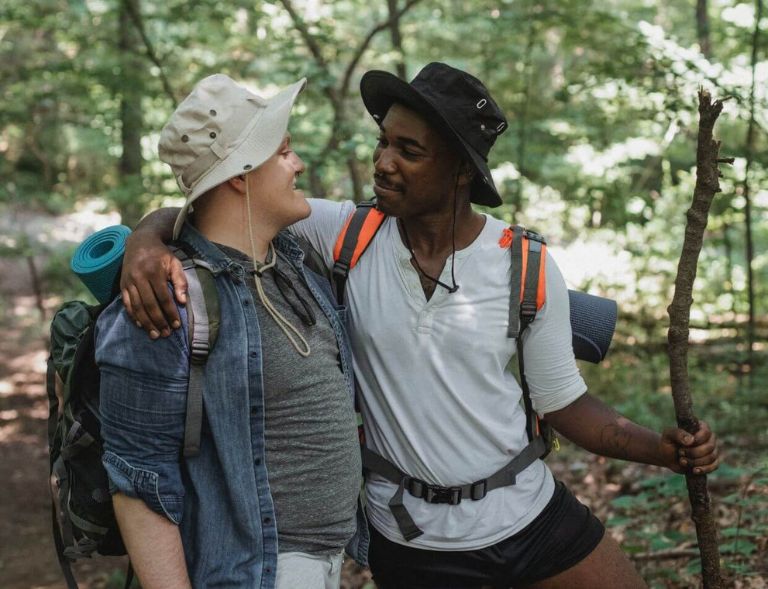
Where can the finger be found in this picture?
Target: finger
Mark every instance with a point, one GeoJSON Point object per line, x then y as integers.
{"type": "Point", "coordinates": [707, 449]}
{"type": "Point", "coordinates": [148, 287]}
{"type": "Point", "coordinates": [167, 313]}
{"type": "Point", "coordinates": [179, 281]}
{"type": "Point", "coordinates": [141, 317]}
{"type": "Point", "coordinates": [683, 438]}
{"type": "Point", "coordinates": [707, 468]}
{"type": "Point", "coordinates": [703, 434]}
{"type": "Point", "coordinates": [126, 296]}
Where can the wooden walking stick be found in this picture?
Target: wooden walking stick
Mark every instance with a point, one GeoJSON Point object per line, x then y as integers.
{"type": "Point", "coordinates": [707, 185]}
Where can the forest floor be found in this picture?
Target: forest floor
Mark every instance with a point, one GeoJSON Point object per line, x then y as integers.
{"type": "Point", "coordinates": [646, 509]}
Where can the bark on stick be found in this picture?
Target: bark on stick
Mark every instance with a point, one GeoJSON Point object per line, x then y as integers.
{"type": "Point", "coordinates": [707, 185]}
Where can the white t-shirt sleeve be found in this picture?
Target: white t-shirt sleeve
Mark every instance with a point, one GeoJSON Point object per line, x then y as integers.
{"type": "Point", "coordinates": [322, 227]}
{"type": "Point", "coordinates": [550, 366]}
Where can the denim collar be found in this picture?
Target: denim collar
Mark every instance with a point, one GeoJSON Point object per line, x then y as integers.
{"type": "Point", "coordinates": [217, 261]}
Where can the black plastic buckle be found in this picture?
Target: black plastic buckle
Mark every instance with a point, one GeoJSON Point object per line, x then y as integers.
{"type": "Point", "coordinates": [416, 487]}
{"type": "Point", "coordinates": [533, 236]}
{"type": "Point", "coordinates": [479, 490]}
{"type": "Point", "coordinates": [528, 309]}
{"type": "Point", "coordinates": [449, 495]}
{"type": "Point", "coordinates": [340, 268]}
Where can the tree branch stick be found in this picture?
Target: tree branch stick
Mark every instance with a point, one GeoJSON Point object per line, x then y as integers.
{"type": "Point", "coordinates": [707, 185]}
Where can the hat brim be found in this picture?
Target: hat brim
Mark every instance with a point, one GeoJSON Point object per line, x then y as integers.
{"type": "Point", "coordinates": [259, 142]}
{"type": "Point", "coordinates": [380, 90]}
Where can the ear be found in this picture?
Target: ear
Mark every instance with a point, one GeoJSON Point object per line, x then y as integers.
{"type": "Point", "coordinates": [237, 183]}
{"type": "Point", "coordinates": [466, 173]}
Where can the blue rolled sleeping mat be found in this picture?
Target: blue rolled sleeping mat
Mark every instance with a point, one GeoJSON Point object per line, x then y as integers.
{"type": "Point", "coordinates": [593, 321]}
{"type": "Point", "coordinates": [98, 260]}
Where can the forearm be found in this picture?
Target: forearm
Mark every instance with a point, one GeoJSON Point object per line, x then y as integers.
{"type": "Point", "coordinates": [159, 223]}
{"type": "Point", "coordinates": [600, 429]}
{"type": "Point", "coordinates": [153, 543]}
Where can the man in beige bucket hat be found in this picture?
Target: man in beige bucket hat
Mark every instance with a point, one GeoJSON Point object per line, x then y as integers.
{"type": "Point", "coordinates": [255, 507]}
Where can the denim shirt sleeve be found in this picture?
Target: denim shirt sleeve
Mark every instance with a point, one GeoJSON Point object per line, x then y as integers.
{"type": "Point", "coordinates": [143, 408]}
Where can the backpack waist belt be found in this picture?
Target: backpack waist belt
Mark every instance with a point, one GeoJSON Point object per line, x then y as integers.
{"type": "Point", "coordinates": [505, 476]}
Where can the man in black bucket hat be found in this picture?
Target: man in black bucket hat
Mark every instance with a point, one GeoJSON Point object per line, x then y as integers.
{"type": "Point", "coordinates": [428, 307]}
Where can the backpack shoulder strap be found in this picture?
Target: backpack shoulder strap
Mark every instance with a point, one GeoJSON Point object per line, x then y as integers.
{"type": "Point", "coordinates": [353, 240]}
{"type": "Point", "coordinates": [527, 297]}
{"type": "Point", "coordinates": [527, 280]}
{"type": "Point", "coordinates": [203, 325]}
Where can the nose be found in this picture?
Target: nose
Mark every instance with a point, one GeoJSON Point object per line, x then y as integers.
{"type": "Point", "coordinates": [383, 162]}
{"type": "Point", "coordinates": [299, 164]}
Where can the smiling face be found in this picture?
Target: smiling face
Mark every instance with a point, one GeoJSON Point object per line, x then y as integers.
{"type": "Point", "coordinates": [273, 187]}
{"type": "Point", "coordinates": [415, 166]}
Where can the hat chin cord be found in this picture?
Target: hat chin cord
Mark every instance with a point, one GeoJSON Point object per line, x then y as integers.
{"type": "Point", "coordinates": [455, 287]}
{"type": "Point", "coordinates": [297, 340]}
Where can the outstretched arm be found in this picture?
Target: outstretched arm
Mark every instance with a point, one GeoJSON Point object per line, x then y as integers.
{"type": "Point", "coordinates": [148, 265]}
{"type": "Point", "coordinates": [153, 543]}
{"type": "Point", "coordinates": [596, 427]}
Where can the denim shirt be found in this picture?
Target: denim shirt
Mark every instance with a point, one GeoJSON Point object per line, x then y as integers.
{"type": "Point", "coordinates": [220, 499]}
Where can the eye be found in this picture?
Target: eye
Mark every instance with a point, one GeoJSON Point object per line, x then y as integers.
{"type": "Point", "coordinates": [381, 140]}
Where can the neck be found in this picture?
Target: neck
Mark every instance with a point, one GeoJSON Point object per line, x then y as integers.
{"type": "Point", "coordinates": [433, 233]}
{"type": "Point", "coordinates": [224, 220]}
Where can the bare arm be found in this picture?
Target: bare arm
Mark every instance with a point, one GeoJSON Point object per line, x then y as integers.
{"type": "Point", "coordinates": [147, 267]}
{"type": "Point", "coordinates": [596, 427]}
{"type": "Point", "coordinates": [153, 543]}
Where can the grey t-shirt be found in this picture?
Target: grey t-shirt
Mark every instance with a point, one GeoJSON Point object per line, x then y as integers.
{"type": "Point", "coordinates": [312, 450]}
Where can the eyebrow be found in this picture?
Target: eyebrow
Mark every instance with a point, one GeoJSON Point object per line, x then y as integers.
{"type": "Point", "coordinates": [409, 141]}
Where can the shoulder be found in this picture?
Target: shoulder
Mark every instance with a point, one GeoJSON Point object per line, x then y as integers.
{"type": "Point", "coordinates": [122, 344]}
{"type": "Point", "coordinates": [324, 209]}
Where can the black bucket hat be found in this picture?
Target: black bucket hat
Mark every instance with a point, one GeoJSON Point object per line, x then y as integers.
{"type": "Point", "coordinates": [455, 102]}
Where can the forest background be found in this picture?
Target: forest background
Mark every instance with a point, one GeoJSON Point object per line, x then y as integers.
{"type": "Point", "coordinates": [599, 157]}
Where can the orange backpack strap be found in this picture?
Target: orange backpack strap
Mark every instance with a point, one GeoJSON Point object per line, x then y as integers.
{"type": "Point", "coordinates": [528, 288]}
{"type": "Point", "coordinates": [353, 240]}
{"type": "Point", "coordinates": [528, 279]}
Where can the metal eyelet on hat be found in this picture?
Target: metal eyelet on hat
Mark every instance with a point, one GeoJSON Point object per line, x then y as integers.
{"type": "Point", "coordinates": [212, 135]}
{"type": "Point", "coordinates": [212, 112]}
{"type": "Point", "coordinates": [481, 103]}
{"type": "Point", "coordinates": [185, 138]}
{"type": "Point", "coordinates": [482, 127]}
{"type": "Point", "coordinates": [247, 167]}
{"type": "Point", "coordinates": [377, 117]}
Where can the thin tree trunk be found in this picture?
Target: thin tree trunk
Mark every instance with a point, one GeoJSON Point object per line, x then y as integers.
{"type": "Point", "coordinates": [37, 286]}
{"type": "Point", "coordinates": [702, 28]}
{"type": "Point", "coordinates": [397, 39]}
{"type": "Point", "coordinates": [522, 127]}
{"type": "Point", "coordinates": [354, 176]}
{"type": "Point", "coordinates": [707, 185]}
{"type": "Point", "coordinates": [750, 250]}
{"type": "Point", "coordinates": [130, 88]}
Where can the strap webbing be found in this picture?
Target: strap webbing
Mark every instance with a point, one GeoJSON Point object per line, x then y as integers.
{"type": "Point", "coordinates": [515, 280]}
{"type": "Point", "coordinates": [505, 476]}
{"type": "Point", "coordinates": [199, 338]}
{"type": "Point", "coordinates": [352, 242]}
{"type": "Point", "coordinates": [66, 568]}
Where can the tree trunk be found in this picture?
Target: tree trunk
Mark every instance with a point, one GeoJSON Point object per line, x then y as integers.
{"type": "Point", "coordinates": [750, 251]}
{"type": "Point", "coordinates": [397, 39]}
{"type": "Point", "coordinates": [131, 119]}
{"type": "Point", "coordinates": [702, 28]}
{"type": "Point", "coordinates": [707, 185]}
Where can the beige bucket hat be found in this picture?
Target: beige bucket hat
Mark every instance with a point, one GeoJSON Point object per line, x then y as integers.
{"type": "Point", "coordinates": [222, 130]}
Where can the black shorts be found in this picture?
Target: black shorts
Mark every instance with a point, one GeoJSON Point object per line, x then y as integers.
{"type": "Point", "coordinates": [564, 533]}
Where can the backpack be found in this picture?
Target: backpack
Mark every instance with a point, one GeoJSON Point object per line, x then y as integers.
{"type": "Point", "coordinates": [83, 519]}
{"type": "Point", "coordinates": [528, 277]}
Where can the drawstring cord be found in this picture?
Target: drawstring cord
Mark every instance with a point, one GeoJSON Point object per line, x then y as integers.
{"type": "Point", "coordinates": [294, 336]}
